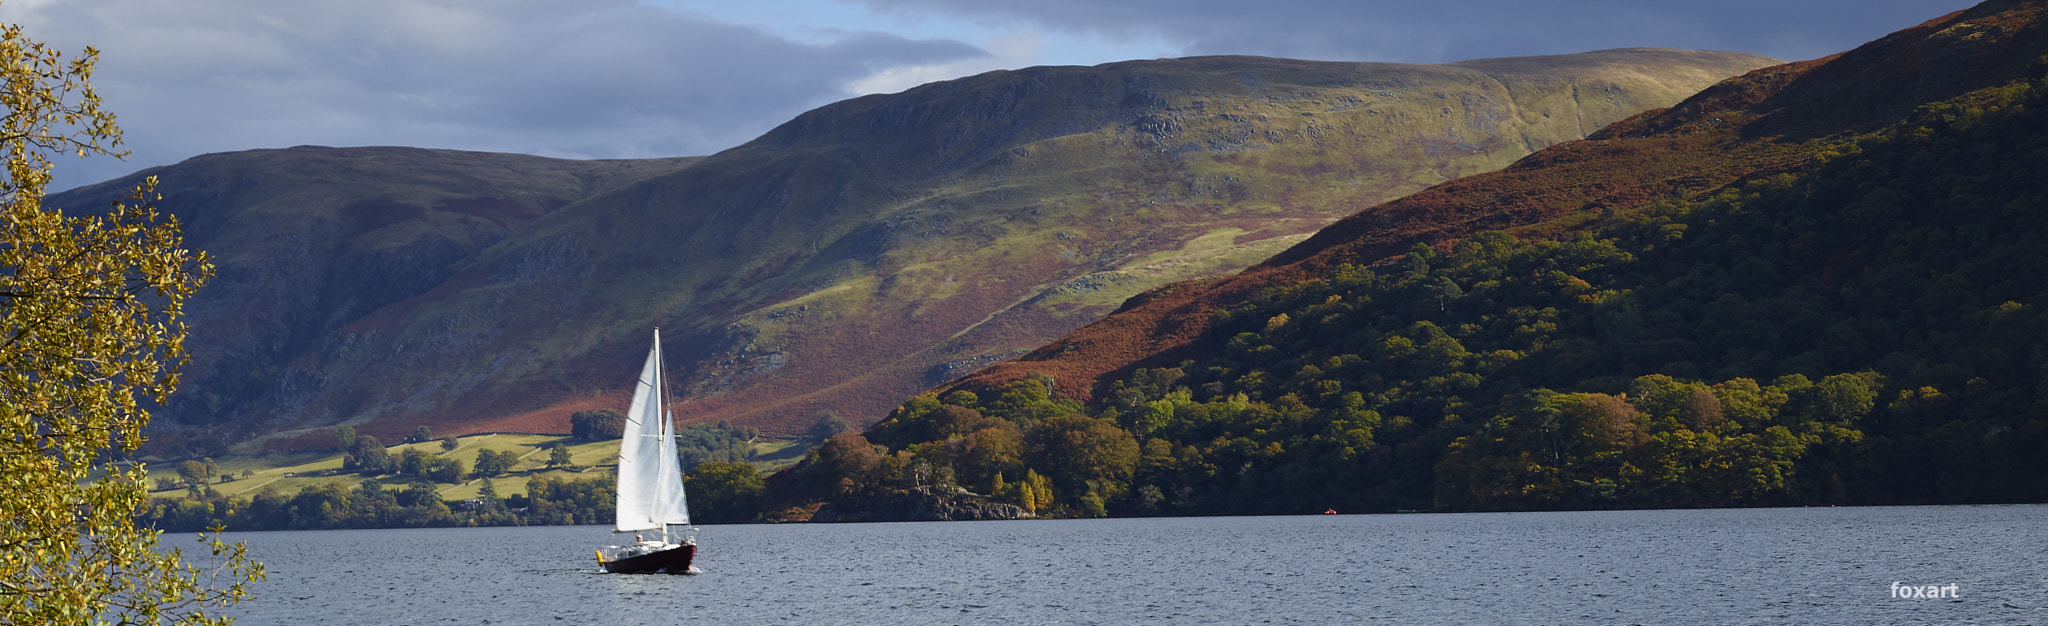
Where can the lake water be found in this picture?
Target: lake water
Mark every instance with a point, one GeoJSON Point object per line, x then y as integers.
{"type": "Point", "coordinates": [1732, 566]}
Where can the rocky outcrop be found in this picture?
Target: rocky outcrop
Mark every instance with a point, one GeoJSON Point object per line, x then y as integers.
{"type": "Point", "coordinates": [921, 504]}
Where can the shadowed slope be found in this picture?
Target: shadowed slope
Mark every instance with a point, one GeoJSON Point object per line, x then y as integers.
{"type": "Point", "coordinates": [1768, 121]}
{"type": "Point", "coordinates": [878, 246]}
{"type": "Point", "coordinates": [311, 239]}
{"type": "Point", "coordinates": [859, 253]}
{"type": "Point", "coordinates": [1818, 283]}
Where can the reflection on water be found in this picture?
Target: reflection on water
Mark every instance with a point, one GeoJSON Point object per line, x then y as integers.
{"type": "Point", "coordinates": [1831, 565]}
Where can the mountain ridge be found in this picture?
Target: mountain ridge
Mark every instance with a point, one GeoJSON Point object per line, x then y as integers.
{"type": "Point", "coordinates": [1143, 130]}
{"type": "Point", "coordinates": [1692, 127]}
{"type": "Point", "coordinates": [847, 258]}
{"type": "Point", "coordinates": [1768, 295]}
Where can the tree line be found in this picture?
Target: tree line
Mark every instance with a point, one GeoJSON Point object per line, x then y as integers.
{"type": "Point", "coordinates": [1870, 330]}
{"type": "Point", "coordinates": [402, 490]}
{"type": "Point", "coordinates": [718, 493]}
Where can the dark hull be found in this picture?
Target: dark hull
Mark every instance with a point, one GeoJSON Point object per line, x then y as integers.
{"type": "Point", "coordinates": [672, 561]}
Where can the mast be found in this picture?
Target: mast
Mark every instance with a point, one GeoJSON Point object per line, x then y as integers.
{"type": "Point", "coordinates": [650, 483]}
{"type": "Point", "coordinates": [671, 506]}
{"type": "Point", "coordinates": [667, 438]}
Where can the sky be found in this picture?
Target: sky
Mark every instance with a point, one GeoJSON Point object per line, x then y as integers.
{"type": "Point", "coordinates": [646, 78]}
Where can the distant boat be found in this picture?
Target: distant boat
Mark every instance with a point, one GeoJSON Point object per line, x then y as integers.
{"type": "Point", "coordinates": [650, 483]}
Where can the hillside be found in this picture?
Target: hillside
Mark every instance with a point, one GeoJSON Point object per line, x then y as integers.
{"type": "Point", "coordinates": [1768, 122]}
{"type": "Point", "coordinates": [1810, 284]}
{"type": "Point", "coordinates": [492, 479]}
{"type": "Point", "coordinates": [311, 239]}
{"type": "Point", "coordinates": [857, 254]}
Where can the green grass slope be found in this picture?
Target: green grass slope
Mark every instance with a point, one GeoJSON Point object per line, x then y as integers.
{"type": "Point", "coordinates": [1815, 283]}
{"type": "Point", "coordinates": [250, 470]}
{"type": "Point", "coordinates": [861, 252]}
{"type": "Point", "coordinates": [871, 248]}
{"type": "Point", "coordinates": [310, 239]}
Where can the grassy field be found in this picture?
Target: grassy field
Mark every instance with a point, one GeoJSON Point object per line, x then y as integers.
{"type": "Point", "coordinates": [289, 473]}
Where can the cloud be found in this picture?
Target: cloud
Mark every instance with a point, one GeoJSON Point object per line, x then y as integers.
{"type": "Point", "coordinates": [626, 78]}
{"type": "Point", "coordinates": [605, 78]}
{"type": "Point", "coordinates": [1454, 30]}
{"type": "Point", "coordinates": [1005, 52]}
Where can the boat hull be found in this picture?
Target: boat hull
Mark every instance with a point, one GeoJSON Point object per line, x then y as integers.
{"type": "Point", "coordinates": [674, 560]}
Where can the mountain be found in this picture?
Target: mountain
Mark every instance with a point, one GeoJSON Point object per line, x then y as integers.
{"type": "Point", "coordinates": [309, 240]}
{"type": "Point", "coordinates": [857, 254]}
{"type": "Point", "coordinates": [1815, 283]}
{"type": "Point", "coordinates": [1769, 122]}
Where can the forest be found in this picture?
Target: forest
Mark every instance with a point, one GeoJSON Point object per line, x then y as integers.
{"type": "Point", "coordinates": [1869, 329]}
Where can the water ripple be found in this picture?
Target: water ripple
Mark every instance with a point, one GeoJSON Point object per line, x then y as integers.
{"type": "Point", "coordinates": [1733, 566]}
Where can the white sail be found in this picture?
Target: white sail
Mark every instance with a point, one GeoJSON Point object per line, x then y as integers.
{"type": "Point", "coordinates": [650, 479]}
{"type": "Point", "coordinates": [673, 507]}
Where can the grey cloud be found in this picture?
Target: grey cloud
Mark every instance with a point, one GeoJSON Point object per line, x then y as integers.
{"type": "Point", "coordinates": [1452, 30]}
{"type": "Point", "coordinates": [579, 79]}
{"type": "Point", "coordinates": [612, 78]}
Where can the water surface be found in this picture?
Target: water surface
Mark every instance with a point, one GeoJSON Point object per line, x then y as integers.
{"type": "Point", "coordinates": [1730, 566]}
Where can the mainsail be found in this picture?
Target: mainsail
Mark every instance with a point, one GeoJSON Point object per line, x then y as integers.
{"type": "Point", "coordinates": [650, 477]}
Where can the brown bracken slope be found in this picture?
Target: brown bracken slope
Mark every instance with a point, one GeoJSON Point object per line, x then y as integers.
{"type": "Point", "coordinates": [1766, 122]}
{"type": "Point", "coordinates": [860, 253]}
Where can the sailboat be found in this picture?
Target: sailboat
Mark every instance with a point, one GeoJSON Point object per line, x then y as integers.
{"type": "Point", "coordinates": [650, 484]}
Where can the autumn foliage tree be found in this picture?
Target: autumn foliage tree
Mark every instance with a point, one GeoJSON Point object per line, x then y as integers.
{"type": "Point", "coordinates": [91, 329]}
{"type": "Point", "coordinates": [1869, 327]}
{"type": "Point", "coordinates": [725, 492]}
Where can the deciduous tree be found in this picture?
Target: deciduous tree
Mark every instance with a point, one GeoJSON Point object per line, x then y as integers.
{"type": "Point", "coordinates": [195, 475]}
{"type": "Point", "coordinates": [493, 463]}
{"type": "Point", "coordinates": [725, 492]}
{"type": "Point", "coordinates": [442, 469]}
{"type": "Point", "coordinates": [91, 310]}
{"type": "Point", "coordinates": [367, 456]}
{"type": "Point", "coordinates": [1076, 449]}
{"type": "Point", "coordinates": [597, 425]}
{"type": "Point", "coordinates": [344, 438]}
{"type": "Point", "coordinates": [825, 425]}
{"type": "Point", "coordinates": [412, 462]}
